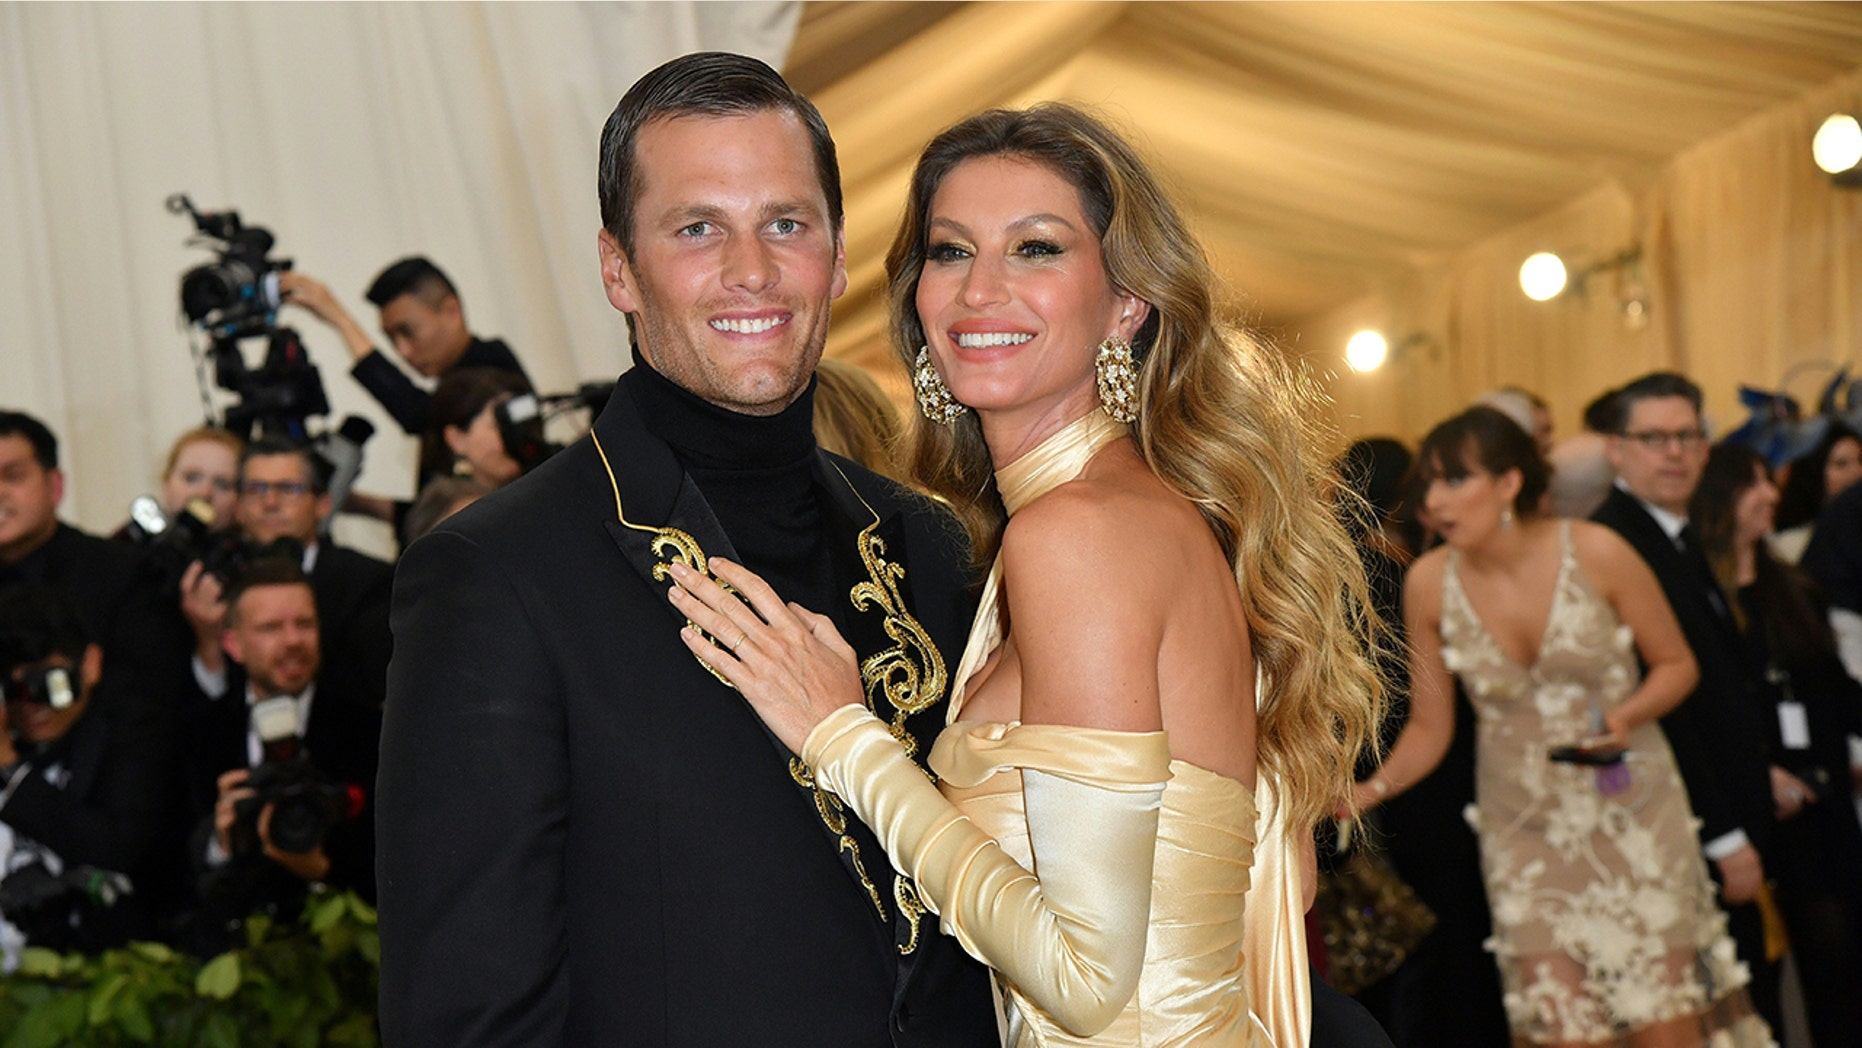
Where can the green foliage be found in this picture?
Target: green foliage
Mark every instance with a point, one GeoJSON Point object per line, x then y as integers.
{"type": "Point", "coordinates": [311, 983]}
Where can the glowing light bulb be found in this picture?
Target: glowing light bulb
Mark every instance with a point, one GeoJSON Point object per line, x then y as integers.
{"type": "Point", "coordinates": [1542, 276]}
{"type": "Point", "coordinates": [1838, 145]}
{"type": "Point", "coordinates": [1367, 351]}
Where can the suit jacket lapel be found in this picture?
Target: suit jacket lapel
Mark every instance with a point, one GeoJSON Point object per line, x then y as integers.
{"type": "Point", "coordinates": [669, 517]}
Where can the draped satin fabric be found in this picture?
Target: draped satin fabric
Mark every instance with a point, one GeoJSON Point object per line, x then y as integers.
{"type": "Point", "coordinates": [1225, 956]}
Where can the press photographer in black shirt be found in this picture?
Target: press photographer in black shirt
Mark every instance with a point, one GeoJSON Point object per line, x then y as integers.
{"type": "Point", "coordinates": [82, 785]}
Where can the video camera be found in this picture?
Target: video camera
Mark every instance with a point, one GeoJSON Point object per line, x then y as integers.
{"type": "Point", "coordinates": [522, 420]}
{"type": "Point", "coordinates": [236, 297]}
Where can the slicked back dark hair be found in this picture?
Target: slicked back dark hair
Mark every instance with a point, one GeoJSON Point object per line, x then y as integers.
{"type": "Point", "coordinates": [1652, 386]}
{"type": "Point", "coordinates": [1487, 439]}
{"type": "Point", "coordinates": [44, 444]}
{"type": "Point", "coordinates": [37, 623]}
{"type": "Point", "coordinates": [411, 276]}
{"type": "Point", "coordinates": [708, 83]}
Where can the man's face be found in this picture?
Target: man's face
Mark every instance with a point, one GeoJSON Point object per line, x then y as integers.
{"type": "Point", "coordinates": [39, 723]}
{"type": "Point", "coordinates": [29, 495]}
{"type": "Point", "coordinates": [735, 260]}
{"type": "Point", "coordinates": [276, 500]}
{"type": "Point", "coordinates": [1661, 452]}
{"type": "Point", "coordinates": [273, 634]}
{"type": "Point", "coordinates": [429, 337]}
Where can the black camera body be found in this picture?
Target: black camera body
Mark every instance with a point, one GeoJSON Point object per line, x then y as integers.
{"type": "Point", "coordinates": [171, 544]}
{"type": "Point", "coordinates": [306, 805]}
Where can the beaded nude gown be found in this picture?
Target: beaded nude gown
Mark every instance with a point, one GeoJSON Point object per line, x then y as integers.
{"type": "Point", "coordinates": [1604, 917]}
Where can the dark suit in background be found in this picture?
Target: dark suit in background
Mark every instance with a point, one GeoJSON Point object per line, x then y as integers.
{"type": "Point", "coordinates": [353, 591]}
{"type": "Point", "coordinates": [586, 838]}
{"type": "Point", "coordinates": [408, 404]}
{"type": "Point", "coordinates": [1719, 732]}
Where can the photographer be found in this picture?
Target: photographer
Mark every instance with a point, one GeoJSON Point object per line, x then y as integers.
{"type": "Point", "coordinates": [282, 496]}
{"type": "Point", "coordinates": [285, 772]}
{"type": "Point", "coordinates": [120, 605]}
{"type": "Point", "coordinates": [424, 320]}
{"type": "Point", "coordinates": [82, 785]}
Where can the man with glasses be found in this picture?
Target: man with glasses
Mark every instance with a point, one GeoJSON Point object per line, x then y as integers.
{"type": "Point", "coordinates": [282, 495]}
{"type": "Point", "coordinates": [1718, 733]}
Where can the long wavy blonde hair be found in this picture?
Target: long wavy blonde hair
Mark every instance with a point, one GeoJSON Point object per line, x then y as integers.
{"type": "Point", "coordinates": [1222, 419]}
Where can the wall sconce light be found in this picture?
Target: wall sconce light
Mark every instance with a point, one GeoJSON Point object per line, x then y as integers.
{"type": "Point", "coordinates": [1837, 149]}
{"type": "Point", "coordinates": [1369, 350]}
{"type": "Point", "coordinates": [1543, 276]}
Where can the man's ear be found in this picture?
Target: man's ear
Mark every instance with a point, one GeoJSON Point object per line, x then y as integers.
{"type": "Point", "coordinates": [57, 478]}
{"type": "Point", "coordinates": [839, 287]}
{"type": "Point", "coordinates": [324, 504]}
{"type": "Point", "coordinates": [617, 274]}
{"type": "Point", "coordinates": [90, 669]}
{"type": "Point", "coordinates": [229, 643]}
{"type": "Point", "coordinates": [1613, 452]}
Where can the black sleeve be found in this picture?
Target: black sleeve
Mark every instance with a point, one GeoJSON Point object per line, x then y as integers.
{"type": "Point", "coordinates": [1704, 776]}
{"type": "Point", "coordinates": [114, 823]}
{"type": "Point", "coordinates": [472, 812]}
{"type": "Point", "coordinates": [406, 402]}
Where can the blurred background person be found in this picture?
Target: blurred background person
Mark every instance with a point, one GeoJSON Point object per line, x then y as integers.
{"type": "Point", "coordinates": [1816, 854]}
{"type": "Point", "coordinates": [1605, 928]}
{"type": "Point", "coordinates": [853, 418]}
{"type": "Point", "coordinates": [441, 498]}
{"type": "Point", "coordinates": [1581, 475]}
{"type": "Point", "coordinates": [1823, 473]}
{"type": "Point", "coordinates": [203, 464]}
{"type": "Point", "coordinates": [83, 786]}
{"type": "Point", "coordinates": [1526, 408]}
{"type": "Point", "coordinates": [464, 438]}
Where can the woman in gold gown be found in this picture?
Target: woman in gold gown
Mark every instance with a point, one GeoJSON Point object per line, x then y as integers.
{"type": "Point", "coordinates": [1164, 686]}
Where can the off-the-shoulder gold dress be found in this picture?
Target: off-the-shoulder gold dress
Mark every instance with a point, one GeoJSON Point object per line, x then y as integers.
{"type": "Point", "coordinates": [1037, 862]}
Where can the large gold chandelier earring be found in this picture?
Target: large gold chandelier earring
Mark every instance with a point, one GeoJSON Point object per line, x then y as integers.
{"type": "Point", "coordinates": [1117, 375]}
{"type": "Point", "coordinates": [934, 397]}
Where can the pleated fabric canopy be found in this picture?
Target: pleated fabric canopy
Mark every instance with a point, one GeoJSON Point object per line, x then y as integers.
{"type": "Point", "coordinates": [1390, 164]}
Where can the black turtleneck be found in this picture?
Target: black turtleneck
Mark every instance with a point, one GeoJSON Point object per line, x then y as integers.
{"type": "Point", "coordinates": [756, 472]}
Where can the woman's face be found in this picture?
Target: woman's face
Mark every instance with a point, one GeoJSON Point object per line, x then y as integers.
{"type": "Point", "coordinates": [1842, 468]}
{"type": "Point", "coordinates": [482, 446]}
{"type": "Point", "coordinates": [1014, 297]}
{"type": "Point", "coordinates": [1753, 508]}
{"type": "Point", "coordinates": [207, 470]}
{"type": "Point", "coordinates": [1468, 510]}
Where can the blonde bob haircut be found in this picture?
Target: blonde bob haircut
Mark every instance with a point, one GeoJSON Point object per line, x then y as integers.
{"type": "Point", "coordinates": [1222, 419]}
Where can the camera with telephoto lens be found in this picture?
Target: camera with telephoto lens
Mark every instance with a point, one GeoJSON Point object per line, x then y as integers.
{"type": "Point", "coordinates": [50, 686]}
{"type": "Point", "coordinates": [306, 804]}
{"type": "Point", "coordinates": [173, 543]}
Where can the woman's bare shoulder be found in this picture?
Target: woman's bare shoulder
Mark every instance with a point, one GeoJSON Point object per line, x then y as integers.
{"type": "Point", "coordinates": [1101, 535]}
{"type": "Point", "coordinates": [1422, 586]}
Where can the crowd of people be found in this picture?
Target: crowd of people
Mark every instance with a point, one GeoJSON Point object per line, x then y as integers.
{"type": "Point", "coordinates": [1655, 726]}
{"type": "Point", "coordinates": [697, 704]}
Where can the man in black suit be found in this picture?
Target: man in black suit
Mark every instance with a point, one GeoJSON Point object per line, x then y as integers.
{"type": "Point", "coordinates": [119, 600]}
{"type": "Point", "coordinates": [585, 837]}
{"type": "Point", "coordinates": [284, 715]}
{"type": "Point", "coordinates": [282, 495]}
{"type": "Point", "coordinates": [1719, 732]}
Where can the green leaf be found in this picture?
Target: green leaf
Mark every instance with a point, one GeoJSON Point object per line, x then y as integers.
{"type": "Point", "coordinates": [361, 911]}
{"type": "Point", "coordinates": [135, 1017]}
{"type": "Point", "coordinates": [106, 992]}
{"type": "Point", "coordinates": [154, 951]}
{"type": "Point", "coordinates": [325, 912]}
{"type": "Point", "coordinates": [258, 926]}
{"type": "Point", "coordinates": [219, 978]}
{"type": "Point", "coordinates": [40, 962]}
{"type": "Point", "coordinates": [368, 944]}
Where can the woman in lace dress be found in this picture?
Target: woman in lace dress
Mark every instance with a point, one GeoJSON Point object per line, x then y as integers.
{"type": "Point", "coordinates": [1605, 928]}
{"type": "Point", "coordinates": [1163, 674]}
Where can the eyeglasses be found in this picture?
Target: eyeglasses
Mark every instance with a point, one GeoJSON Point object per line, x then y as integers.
{"type": "Point", "coordinates": [1661, 440]}
{"type": "Point", "coordinates": [258, 489]}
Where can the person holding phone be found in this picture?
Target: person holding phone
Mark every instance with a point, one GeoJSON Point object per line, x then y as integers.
{"type": "Point", "coordinates": [1605, 927]}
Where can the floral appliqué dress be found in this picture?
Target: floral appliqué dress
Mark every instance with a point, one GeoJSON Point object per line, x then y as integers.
{"type": "Point", "coordinates": [1604, 917]}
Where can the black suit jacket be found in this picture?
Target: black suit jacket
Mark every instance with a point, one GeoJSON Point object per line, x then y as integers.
{"type": "Point", "coordinates": [410, 405]}
{"type": "Point", "coordinates": [1719, 732]}
{"type": "Point", "coordinates": [585, 838]}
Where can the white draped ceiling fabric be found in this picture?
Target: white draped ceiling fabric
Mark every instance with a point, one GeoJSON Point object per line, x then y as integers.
{"type": "Point", "coordinates": [1391, 164]}
{"type": "Point", "coordinates": [357, 133]}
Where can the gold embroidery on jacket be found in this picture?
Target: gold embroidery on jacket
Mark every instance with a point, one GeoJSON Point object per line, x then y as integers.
{"type": "Point", "coordinates": [905, 893]}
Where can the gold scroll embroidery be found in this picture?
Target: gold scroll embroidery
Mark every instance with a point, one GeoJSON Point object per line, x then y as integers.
{"type": "Point", "coordinates": [834, 814]}
{"type": "Point", "coordinates": [905, 893]}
